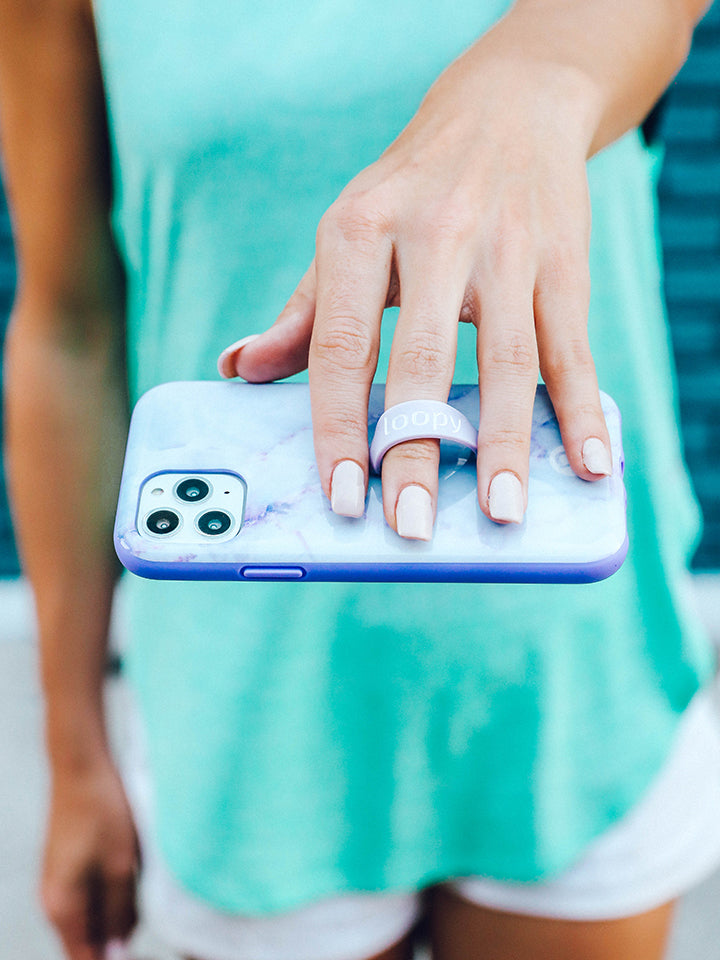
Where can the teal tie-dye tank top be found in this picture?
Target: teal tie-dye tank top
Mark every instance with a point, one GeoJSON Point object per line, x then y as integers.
{"type": "Point", "coordinates": [307, 739]}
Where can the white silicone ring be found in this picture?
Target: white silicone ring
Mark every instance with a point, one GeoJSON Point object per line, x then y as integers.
{"type": "Point", "coordinates": [416, 420]}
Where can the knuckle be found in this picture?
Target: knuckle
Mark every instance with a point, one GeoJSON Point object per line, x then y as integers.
{"type": "Point", "coordinates": [343, 344]}
{"type": "Point", "coordinates": [303, 298]}
{"type": "Point", "coordinates": [506, 438]}
{"type": "Point", "coordinates": [588, 411]}
{"type": "Point", "coordinates": [415, 452]}
{"type": "Point", "coordinates": [515, 354]}
{"type": "Point", "coordinates": [356, 219]}
{"type": "Point", "coordinates": [449, 220]}
{"type": "Point", "coordinates": [424, 360]}
{"type": "Point", "coordinates": [565, 267]}
{"type": "Point", "coordinates": [513, 246]}
{"type": "Point", "coordinates": [337, 430]}
{"type": "Point", "coordinates": [573, 359]}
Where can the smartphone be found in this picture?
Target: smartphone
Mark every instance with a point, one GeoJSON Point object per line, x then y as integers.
{"type": "Point", "coordinates": [220, 483]}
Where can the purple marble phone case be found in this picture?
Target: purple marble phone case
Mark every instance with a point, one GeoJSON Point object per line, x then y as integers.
{"type": "Point", "coordinates": [261, 436]}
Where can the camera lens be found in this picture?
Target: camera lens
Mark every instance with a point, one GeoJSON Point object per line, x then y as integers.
{"type": "Point", "coordinates": [192, 490]}
{"type": "Point", "coordinates": [214, 522]}
{"type": "Point", "coordinates": [162, 522]}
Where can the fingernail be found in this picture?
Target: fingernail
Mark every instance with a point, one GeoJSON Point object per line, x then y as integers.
{"type": "Point", "coordinates": [226, 360]}
{"type": "Point", "coordinates": [596, 457]}
{"type": "Point", "coordinates": [505, 498]}
{"type": "Point", "coordinates": [116, 950]}
{"type": "Point", "coordinates": [414, 513]}
{"type": "Point", "coordinates": [347, 489]}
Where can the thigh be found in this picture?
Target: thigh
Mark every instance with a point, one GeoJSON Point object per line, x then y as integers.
{"type": "Point", "coordinates": [401, 951]}
{"type": "Point", "coordinates": [460, 930]}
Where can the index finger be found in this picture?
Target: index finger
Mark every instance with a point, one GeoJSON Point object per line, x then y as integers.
{"type": "Point", "coordinates": [353, 262]}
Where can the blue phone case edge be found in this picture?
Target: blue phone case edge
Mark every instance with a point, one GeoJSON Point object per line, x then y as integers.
{"type": "Point", "coordinates": [381, 572]}
{"type": "Point", "coordinates": [399, 571]}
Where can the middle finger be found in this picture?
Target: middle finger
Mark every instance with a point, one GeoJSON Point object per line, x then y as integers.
{"type": "Point", "coordinates": [422, 361]}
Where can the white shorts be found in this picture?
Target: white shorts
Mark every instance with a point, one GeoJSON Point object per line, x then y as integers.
{"type": "Point", "coordinates": [662, 848]}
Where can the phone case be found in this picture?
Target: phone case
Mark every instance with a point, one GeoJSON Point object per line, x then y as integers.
{"type": "Point", "coordinates": [261, 436]}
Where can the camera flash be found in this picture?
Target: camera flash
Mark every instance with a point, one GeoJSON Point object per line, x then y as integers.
{"type": "Point", "coordinates": [157, 491]}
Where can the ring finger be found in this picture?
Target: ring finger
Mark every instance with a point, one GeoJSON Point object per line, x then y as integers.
{"type": "Point", "coordinates": [508, 375]}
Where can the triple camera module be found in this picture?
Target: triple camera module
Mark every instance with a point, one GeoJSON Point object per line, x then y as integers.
{"type": "Point", "coordinates": [168, 506]}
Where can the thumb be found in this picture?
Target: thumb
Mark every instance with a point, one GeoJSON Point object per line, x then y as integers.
{"type": "Point", "coordinates": [282, 349]}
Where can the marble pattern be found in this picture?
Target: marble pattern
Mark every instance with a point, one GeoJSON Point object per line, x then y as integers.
{"type": "Point", "coordinates": [263, 433]}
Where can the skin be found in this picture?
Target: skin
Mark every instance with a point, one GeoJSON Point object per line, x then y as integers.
{"type": "Point", "coordinates": [502, 243]}
{"type": "Point", "coordinates": [66, 420]}
{"type": "Point", "coordinates": [464, 931]}
{"type": "Point", "coordinates": [478, 211]}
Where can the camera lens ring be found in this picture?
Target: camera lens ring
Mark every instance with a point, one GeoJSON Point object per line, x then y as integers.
{"type": "Point", "coordinates": [162, 523]}
{"type": "Point", "coordinates": [192, 490]}
{"type": "Point", "coordinates": [214, 523]}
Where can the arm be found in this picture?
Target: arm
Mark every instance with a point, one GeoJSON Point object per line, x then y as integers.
{"type": "Point", "coordinates": [478, 211]}
{"type": "Point", "coordinates": [66, 426]}
{"type": "Point", "coordinates": [628, 53]}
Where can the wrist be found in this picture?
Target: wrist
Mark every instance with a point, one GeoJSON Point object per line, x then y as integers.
{"type": "Point", "coordinates": [623, 56]}
{"type": "Point", "coordinates": [75, 738]}
{"type": "Point", "coordinates": [560, 98]}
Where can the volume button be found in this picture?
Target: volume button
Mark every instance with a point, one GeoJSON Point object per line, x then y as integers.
{"type": "Point", "coordinates": [271, 573]}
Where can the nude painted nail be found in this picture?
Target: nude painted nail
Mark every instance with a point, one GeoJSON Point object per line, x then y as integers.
{"type": "Point", "coordinates": [596, 457]}
{"type": "Point", "coordinates": [347, 489]}
{"type": "Point", "coordinates": [414, 513]}
{"type": "Point", "coordinates": [116, 950]}
{"type": "Point", "coordinates": [505, 498]}
{"type": "Point", "coordinates": [226, 360]}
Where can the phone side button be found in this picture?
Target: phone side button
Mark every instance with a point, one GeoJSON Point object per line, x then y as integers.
{"type": "Point", "coordinates": [271, 573]}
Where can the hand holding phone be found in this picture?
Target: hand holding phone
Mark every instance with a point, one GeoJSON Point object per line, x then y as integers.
{"type": "Point", "coordinates": [220, 482]}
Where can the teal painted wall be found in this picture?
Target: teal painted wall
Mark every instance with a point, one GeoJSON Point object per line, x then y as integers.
{"type": "Point", "coordinates": [8, 556]}
{"type": "Point", "coordinates": [690, 227]}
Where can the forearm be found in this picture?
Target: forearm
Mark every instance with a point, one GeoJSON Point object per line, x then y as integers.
{"type": "Point", "coordinates": [630, 51]}
{"type": "Point", "coordinates": [66, 427]}
{"type": "Point", "coordinates": [601, 63]}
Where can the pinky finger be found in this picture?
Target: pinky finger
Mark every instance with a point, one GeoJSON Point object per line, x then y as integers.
{"type": "Point", "coordinates": [568, 370]}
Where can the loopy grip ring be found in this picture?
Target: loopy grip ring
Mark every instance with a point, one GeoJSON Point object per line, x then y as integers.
{"type": "Point", "coordinates": [418, 420]}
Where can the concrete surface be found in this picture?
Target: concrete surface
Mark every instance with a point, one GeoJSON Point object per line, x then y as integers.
{"type": "Point", "coordinates": [24, 934]}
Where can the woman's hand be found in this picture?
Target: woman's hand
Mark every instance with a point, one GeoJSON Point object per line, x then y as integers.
{"type": "Point", "coordinates": [479, 211]}
{"type": "Point", "coordinates": [91, 863]}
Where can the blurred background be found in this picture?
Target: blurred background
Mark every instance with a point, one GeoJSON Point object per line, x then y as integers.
{"type": "Point", "coordinates": [689, 126]}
